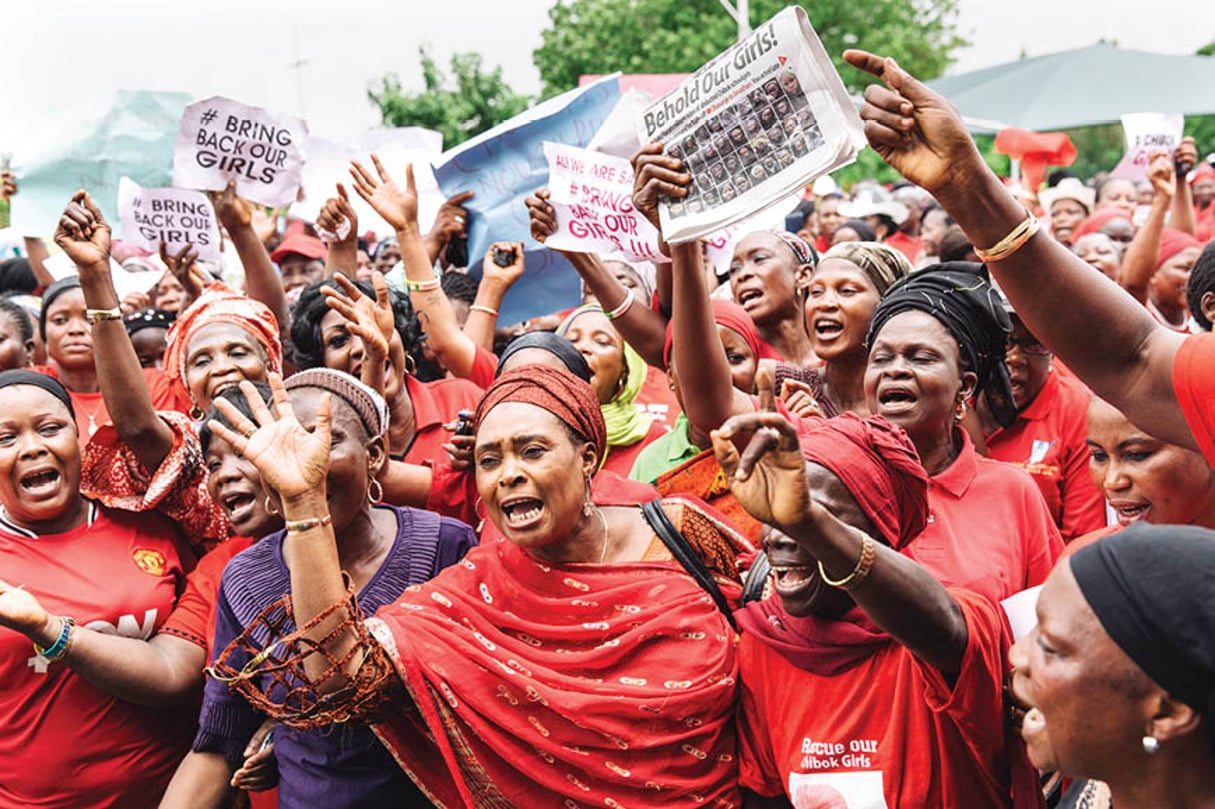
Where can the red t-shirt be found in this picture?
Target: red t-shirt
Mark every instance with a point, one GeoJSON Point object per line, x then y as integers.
{"type": "Point", "coordinates": [620, 459]}
{"type": "Point", "coordinates": [435, 404]}
{"type": "Point", "coordinates": [193, 618]}
{"type": "Point", "coordinates": [988, 528]}
{"type": "Point", "coordinates": [66, 743]}
{"type": "Point", "coordinates": [657, 398]}
{"type": "Point", "coordinates": [1194, 384]}
{"type": "Point", "coordinates": [484, 366]}
{"type": "Point", "coordinates": [90, 408]}
{"type": "Point", "coordinates": [909, 246]}
{"type": "Point", "coordinates": [1047, 441]}
{"type": "Point", "coordinates": [887, 732]}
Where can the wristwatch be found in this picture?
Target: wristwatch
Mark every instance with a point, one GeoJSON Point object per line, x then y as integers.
{"type": "Point", "coordinates": [95, 316]}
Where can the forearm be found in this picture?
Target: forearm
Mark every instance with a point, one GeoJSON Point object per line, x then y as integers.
{"type": "Point", "coordinates": [900, 596]}
{"type": "Point", "coordinates": [406, 484]}
{"type": "Point", "coordinates": [123, 386]}
{"type": "Point", "coordinates": [36, 252]}
{"type": "Point", "coordinates": [342, 257]}
{"type": "Point", "coordinates": [705, 385]}
{"type": "Point", "coordinates": [1139, 263]}
{"type": "Point", "coordinates": [1181, 213]}
{"type": "Point", "coordinates": [643, 328]}
{"type": "Point", "coordinates": [262, 282]}
{"type": "Point", "coordinates": [316, 585]}
{"type": "Point", "coordinates": [435, 314]}
{"type": "Point", "coordinates": [157, 672]}
{"type": "Point", "coordinates": [201, 782]}
{"type": "Point", "coordinates": [481, 324]}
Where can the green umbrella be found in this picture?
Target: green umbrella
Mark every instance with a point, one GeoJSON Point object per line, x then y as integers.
{"type": "Point", "coordinates": [1083, 87]}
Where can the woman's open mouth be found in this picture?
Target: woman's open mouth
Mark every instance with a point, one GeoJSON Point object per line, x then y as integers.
{"type": "Point", "coordinates": [522, 513]}
{"type": "Point", "coordinates": [826, 329]}
{"type": "Point", "coordinates": [1129, 512]}
{"type": "Point", "coordinates": [896, 400]}
{"type": "Point", "coordinates": [794, 581]}
{"type": "Point", "coordinates": [41, 483]}
{"type": "Point", "coordinates": [239, 506]}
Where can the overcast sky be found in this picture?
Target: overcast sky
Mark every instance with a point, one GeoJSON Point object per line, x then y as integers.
{"type": "Point", "coordinates": [57, 54]}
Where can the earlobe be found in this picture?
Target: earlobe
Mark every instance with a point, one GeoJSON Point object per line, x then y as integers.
{"type": "Point", "coordinates": [1173, 720]}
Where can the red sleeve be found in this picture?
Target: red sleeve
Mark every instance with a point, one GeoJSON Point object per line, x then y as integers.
{"type": "Point", "coordinates": [1194, 384]}
{"type": "Point", "coordinates": [453, 493]}
{"type": "Point", "coordinates": [757, 768]}
{"type": "Point", "coordinates": [165, 395]}
{"type": "Point", "coordinates": [193, 618]}
{"type": "Point", "coordinates": [484, 366]}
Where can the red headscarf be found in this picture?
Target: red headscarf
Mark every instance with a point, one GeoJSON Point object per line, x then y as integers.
{"type": "Point", "coordinates": [222, 305]}
{"type": "Point", "coordinates": [1173, 242]}
{"type": "Point", "coordinates": [878, 464]}
{"type": "Point", "coordinates": [1098, 220]}
{"type": "Point", "coordinates": [725, 313]}
{"type": "Point", "coordinates": [1203, 172]}
{"type": "Point", "coordinates": [559, 392]}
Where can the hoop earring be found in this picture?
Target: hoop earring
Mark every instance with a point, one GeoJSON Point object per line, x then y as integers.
{"type": "Point", "coordinates": [411, 366]}
{"type": "Point", "coordinates": [379, 492]}
{"type": "Point", "coordinates": [959, 412]}
{"type": "Point", "coordinates": [196, 413]}
{"type": "Point", "coordinates": [270, 509]}
{"type": "Point", "coordinates": [588, 505]}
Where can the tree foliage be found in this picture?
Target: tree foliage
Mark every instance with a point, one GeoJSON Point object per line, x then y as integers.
{"type": "Point", "coordinates": [471, 102]}
{"type": "Point", "coordinates": [678, 36]}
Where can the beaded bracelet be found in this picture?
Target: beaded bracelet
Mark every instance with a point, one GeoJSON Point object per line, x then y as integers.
{"type": "Point", "coordinates": [624, 306]}
{"type": "Point", "coordinates": [1011, 243]}
{"type": "Point", "coordinates": [860, 572]}
{"type": "Point", "coordinates": [423, 286]}
{"type": "Point", "coordinates": [59, 649]}
{"type": "Point", "coordinates": [298, 526]}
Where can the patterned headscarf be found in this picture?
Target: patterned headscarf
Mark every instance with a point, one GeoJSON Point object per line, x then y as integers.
{"type": "Point", "coordinates": [883, 264]}
{"type": "Point", "coordinates": [802, 251]}
{"type": "Point", "coordinates": [367, 403]}
{"type": "Point", "coordinates": [221, 305]}
{"type": "Point", "coordinates": [559, 392]}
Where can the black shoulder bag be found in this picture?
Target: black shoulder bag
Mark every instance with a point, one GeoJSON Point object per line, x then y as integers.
{"type": "Point", "coordinates": [685, 555]}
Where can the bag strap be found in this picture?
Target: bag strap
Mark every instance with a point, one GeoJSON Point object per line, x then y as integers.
{"type": "Point", "coordinates": [756, 579]}
{"type": "Point", "coordinates": [685, 555]}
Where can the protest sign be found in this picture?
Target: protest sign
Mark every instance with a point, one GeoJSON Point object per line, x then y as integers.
{"type": "Point", "coordinates": [221, 140]}
{"type": "Point", "coordinates": [592, 196]}
{"type": "Point", "coordinates": [506, 164]}
{"type": "Point", "coordinates": [128, 133]}
{"type": "Point", "coordinates": [757, 123]}
{"type": "Point", "coordinates": [174, 216]}
{"type": "Point", "coordinates": [1147, 133]}
{"type": "Point", "coordinates": [329, 163]}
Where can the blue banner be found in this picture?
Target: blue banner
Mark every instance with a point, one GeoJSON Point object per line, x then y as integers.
{"type": "Point", "coordinates": [506, 164]}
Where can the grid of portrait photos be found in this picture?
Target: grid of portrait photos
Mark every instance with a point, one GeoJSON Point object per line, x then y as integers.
{"type": "Point", "coordinates": [745, 143]}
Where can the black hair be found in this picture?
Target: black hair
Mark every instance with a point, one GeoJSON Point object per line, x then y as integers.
{"type": "Point", "coordinates": [1202, 281]}
{"type": "Point", "coordinates": [1057, 176]}
{"type": "Point", "coordinates": [307, 347]}
{"type": "Point", "coordinates": [236, 397]}
{"type": "Point", "coordinates": [955, 245]}
{"type": "Point", "coordinates": [25, 324]}
{"type": "Point", "coordinates": [460, 287]}
{"type": "Point", "coordinates": [936, 206]}
{"type": "Point", "coordinates": [66, 284]}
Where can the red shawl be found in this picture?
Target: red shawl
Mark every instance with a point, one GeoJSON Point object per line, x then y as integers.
{"type": "Point", "coordinates": [577, 685]}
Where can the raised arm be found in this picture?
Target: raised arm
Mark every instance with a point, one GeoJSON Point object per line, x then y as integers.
{"type": "Point", "coordinates": [1111, 342]}
{"type": "Point", "coordinates": [338, 217]}
{"type": "Point", "coordinates": [85, 237]}
{"type": "Point", "coordinates": [262, 281]}
{"type": "Point", "coordinates": [1139, 263]}
{"type": "Point", "coordinates": [769, 479]}
{"type": "Point", "coordinates": [1181, 215]}
{"type": "Point", "coordinates": [495, 282]}
{"type": "Point", "coordinates": [643, 328]}
{"type": "Point", "coordinates": [450, 221]}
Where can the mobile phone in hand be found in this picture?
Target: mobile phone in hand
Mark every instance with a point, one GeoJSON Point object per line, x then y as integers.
{"type": "Point", "coordinates": [504, 258]}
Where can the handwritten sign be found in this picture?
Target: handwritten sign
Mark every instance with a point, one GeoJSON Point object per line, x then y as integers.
{"type": "Point", "coordinates": [174, 216]}
{"type": "Point", "coordinates": [221, 140]}
{"type": "Point", "coordinates": [1147, 133]}
{"type": "Point", "coordinates": [506, 164]}
{"type": "Point", "coordinates": [592, 195]}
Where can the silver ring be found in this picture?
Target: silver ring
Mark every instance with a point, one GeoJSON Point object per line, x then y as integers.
{"type": "Point", "coordinates": [459, 220]}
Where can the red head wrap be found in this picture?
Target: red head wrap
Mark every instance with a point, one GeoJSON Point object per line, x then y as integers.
{"type": "Point", "coordinates": [878, 464]}
{"type": "Point", "coordinates": [221, 305]}
{"type": "Point", "coordinates": [559, 392]}
{"type": "Point", "coordinates": [1173, 242]}
{"type": "Point", "coordinates": [1203, 172]}
{"type": "Point", "coordinates": [725, 313]}
{"type": "Point", "coordinates": [1098, 220]}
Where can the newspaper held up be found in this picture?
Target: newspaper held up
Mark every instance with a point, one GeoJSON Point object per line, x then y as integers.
{"type": "Point", "coordinates": [757, 123]}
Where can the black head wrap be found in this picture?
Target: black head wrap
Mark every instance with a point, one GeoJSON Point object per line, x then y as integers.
{"type": "Point", "coordinates": [959, 295]}
{"type": "Point", "coordinates": [21, 376]}
{"type": "Point", "coordinates": [558, 346]}
{"type": "Point", "coordinates": [148, 319]}
{"type": "Point", "coordinates": [48, 297]}
{"type": "Point", "coordinates": [1153, 589]}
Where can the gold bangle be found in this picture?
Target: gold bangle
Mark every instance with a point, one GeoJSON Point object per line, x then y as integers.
{"type": "Point", "coordinates": [298, 526]}
{"type": "Point", "coordinates": [489, 310]}
{"type": "Point", "coordinates": [95, 316]}
{"type": "Point", "coordinates": [1011, 243]}
{"type": "Point", "coordinates": [859, 573]}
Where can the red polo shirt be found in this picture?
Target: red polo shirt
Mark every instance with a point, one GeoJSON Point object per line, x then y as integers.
{"type": "Point", "coordinates": [1047, 440]}
{"type": "Point", "coordinates": [1194, 384]}
{"type": "Point", "coordinates": [435, 404]}
{"type": "Point", "coordinates": [989, 530]}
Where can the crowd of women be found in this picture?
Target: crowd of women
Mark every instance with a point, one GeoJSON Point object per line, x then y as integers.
{"type": "Point", "coordinates": [756, 535]}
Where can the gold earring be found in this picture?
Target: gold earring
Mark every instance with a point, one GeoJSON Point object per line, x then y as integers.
{"type": "Point", "coordinates": [270, 509]}
{"type": "Point", "coordinates": [379, 492]}
{"type": "Point", "coordinates": [588, 504]}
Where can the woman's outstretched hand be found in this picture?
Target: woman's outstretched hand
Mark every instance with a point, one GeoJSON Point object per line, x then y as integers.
{"type": "Point", "coordinates": [398, 206]}
{"type": "Point", "coordinates": [292, 461]}
{"type": "Point", "coordinates": [769, 476]}
{"type": "Point", "coordinates": [915, 130]}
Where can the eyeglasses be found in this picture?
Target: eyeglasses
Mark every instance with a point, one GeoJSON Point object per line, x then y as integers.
{"type": "Point", "coordinates": [1029, 347]}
